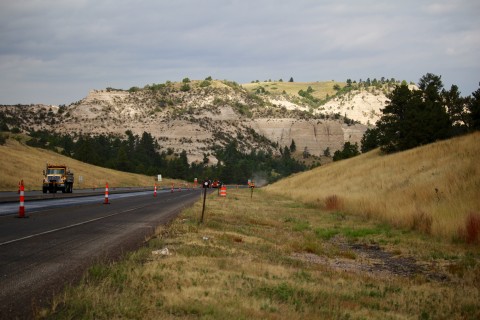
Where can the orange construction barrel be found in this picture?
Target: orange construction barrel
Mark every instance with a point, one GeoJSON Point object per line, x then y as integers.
{"type": "Point", "coordinates": [223, 191]}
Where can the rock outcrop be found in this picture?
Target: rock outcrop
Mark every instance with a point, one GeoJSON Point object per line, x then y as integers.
{"type": "Point", "coordinates": [201, 117]}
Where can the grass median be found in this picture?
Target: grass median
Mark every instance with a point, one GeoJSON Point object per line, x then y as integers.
{"type": "Point", "coordinates": [269, 257]}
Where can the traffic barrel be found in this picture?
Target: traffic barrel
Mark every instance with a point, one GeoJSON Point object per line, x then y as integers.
{"type": "Point", "coordinates": [223, 191]}
{"type": "Point", "coordinates": [21, 209]}
{"type": "Point", "coordinates": [106, 194]}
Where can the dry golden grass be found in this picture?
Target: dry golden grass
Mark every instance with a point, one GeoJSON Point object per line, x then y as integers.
{"type": "Point", "coordinates": [431, 188]}
{"type": "Point", "coordinates": [19, 161]}
{"type": "Point", "coordinates": [273, 258]}
{"type": "Point", "coordinates": [321, 89]}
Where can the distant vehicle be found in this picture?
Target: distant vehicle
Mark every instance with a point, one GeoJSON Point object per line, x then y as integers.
{"type": "Point", "coordinates": [57, 177]}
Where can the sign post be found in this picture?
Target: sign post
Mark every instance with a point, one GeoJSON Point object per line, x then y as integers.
{"type": "Point", "coordinates": [205, 186]}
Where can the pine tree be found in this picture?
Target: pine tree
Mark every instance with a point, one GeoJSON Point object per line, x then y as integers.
{"type": "Point", "coordinates": [414, 118]}
{"type": "Point", "coordinates": [293, 147]}
{"type": "Point", "coordinates": [474, 109]}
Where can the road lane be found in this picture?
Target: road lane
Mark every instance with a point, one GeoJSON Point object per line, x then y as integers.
{"type": "Point", "coordinates": [52, 248]}
{"type": "Point", "coordinates": [8, 208]}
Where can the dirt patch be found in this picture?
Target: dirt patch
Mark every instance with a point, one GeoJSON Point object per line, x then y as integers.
{"type": "Point", "coordinates": [372, 260]}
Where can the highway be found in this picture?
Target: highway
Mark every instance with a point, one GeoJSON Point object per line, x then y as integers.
{"type": "Point", "coordinates": [61, 238]}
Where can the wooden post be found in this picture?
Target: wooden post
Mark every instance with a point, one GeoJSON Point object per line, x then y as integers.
{"type": "Point", "coordinates": [204, 199]}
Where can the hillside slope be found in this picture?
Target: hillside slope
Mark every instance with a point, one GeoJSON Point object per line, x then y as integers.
{"type": "Point", "coordinates": [431, 188]}
{"type": "Point", "coordinates": [18, 161]}
{"type": "Point", "coordinates": [195, 116]}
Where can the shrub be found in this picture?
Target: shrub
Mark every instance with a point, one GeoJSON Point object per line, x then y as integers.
{"type": "Point", "coordinates": [185, 87]}
{"type": "Point", "coordinates": [333, 203]}
{"type": "Point", "coordinates": [204, 83]}
{"type": "Point", "coordinates": [472, 227]}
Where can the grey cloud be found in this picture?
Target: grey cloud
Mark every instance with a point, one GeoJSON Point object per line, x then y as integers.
{"type": "Point", "coordinates": [58, 51]}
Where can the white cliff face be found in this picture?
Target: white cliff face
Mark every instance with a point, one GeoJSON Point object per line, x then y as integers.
{"type": "Point", "coordinates": [315, 135]}
{"type": "Point", "coordinates": [199, 119]}
{"type": "Point", "coordinates": [361, 106]}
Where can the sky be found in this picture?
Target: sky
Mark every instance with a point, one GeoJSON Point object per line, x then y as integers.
{"type": "Point", "coordinates": [56, 51]}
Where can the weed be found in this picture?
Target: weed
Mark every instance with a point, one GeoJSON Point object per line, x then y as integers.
{"type": "Point", "coordinates": [303, 276]}
{"type": "Point", "coordinates": [97, 273]}
{"type": "Point", "coordinates": [333, 203]}
{"type": "Point", "coordinates": [301, 226]}
{"type": "Point", "coordinates": [422, 222]}
{"type": "Point", "coordinates": [472, 227]}
{"type": "Point", "coordinates": [326, 234]}
{"type": "Point", "coordinates": [282, 292]}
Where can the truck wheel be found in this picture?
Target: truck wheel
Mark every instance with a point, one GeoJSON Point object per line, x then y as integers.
{"type": "Point", "coordinates": [44, 189]}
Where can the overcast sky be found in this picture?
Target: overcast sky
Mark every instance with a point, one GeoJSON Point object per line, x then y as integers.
{"type": "Point", "coordinates": [55, 52]}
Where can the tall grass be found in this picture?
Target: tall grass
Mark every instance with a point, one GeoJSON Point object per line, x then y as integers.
{"type": "Point", "coordinates": [431, 188]}
{"type": "Point", "coordinates": [21, 162]}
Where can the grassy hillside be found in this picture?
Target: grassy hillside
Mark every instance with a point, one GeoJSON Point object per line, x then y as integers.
{"type": "Point", "coordinates": [434, 189]}
{"type": "Point", "coordinates": [263, 255]}
{"type": "Point", "coordinates": [267, 257]}
{"type": "Point", "coordinates": [19, 161]}
{"type": "Point", "coordinates": [321, 89]}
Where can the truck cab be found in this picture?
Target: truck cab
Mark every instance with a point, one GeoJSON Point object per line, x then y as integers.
{"type": "Point", "coordinates": [57, 177]}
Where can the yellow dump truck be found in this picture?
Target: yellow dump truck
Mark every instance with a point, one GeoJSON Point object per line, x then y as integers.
{"type": "Point", "coordinates": [57, 177]}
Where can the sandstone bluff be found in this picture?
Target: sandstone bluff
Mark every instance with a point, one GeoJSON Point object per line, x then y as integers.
{"type": "Point", "coordinates": [197, 115]}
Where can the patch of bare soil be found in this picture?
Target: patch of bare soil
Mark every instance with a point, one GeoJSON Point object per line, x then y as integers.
{"type": "Point", "coordinates": [371, 259]}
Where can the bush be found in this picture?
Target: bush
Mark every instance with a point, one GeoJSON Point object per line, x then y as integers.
{"type": "Point", "coordinates": [333, 203]}
{"type": "Point", "coordinates": [205, 83]}
{"type": "Point", "coordinates": [185, 87]}
{"type": "Point", "coordinates": [472, 228]}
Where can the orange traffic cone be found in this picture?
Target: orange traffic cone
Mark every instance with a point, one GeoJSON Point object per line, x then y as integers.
{"type": "Point", "coordinates": [106, 194]}
{"type": "Point", "coordinates": [155, 191]}
{"type": "Point", "coordinates": [21, 209]}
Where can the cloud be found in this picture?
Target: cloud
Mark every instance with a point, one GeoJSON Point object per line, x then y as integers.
{"type": "Point", "coordinates": [69, 47]}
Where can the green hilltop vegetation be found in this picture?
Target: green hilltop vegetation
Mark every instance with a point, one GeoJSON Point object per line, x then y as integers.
{"type": "Point", "coordinates": [320, 90]}
{"type": "Point", "coordinates": [318, 93]}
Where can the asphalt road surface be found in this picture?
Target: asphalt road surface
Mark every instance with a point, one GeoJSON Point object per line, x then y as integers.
{"type": "Point", "coordinates": [13, 196]}
{"type": "Point", "coordinates": [55, 244]}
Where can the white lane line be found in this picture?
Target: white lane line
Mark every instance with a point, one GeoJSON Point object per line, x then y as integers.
{"type": "Point", "coordinates": [70, 226]}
